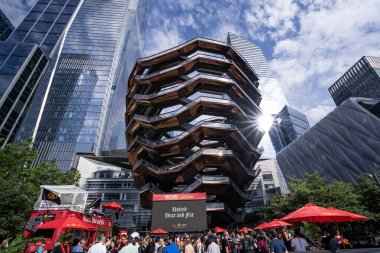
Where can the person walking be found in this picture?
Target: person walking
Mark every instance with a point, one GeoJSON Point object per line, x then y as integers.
{"type": "Point", "coordinates": [247, 243]}
{"type": "Point", "coordinates": [65, 247]}
{"type": "Point", "coordinates": [79, 248]}
{"type": "Point", "coordinates": [213, 247]}
{"type": "Point", "coordinates": [171, 247]}
{"type": "Point", "coordinates": [131, 247]}
{"type": "Point", "coordinates": [188, 246]}
{"type": "Point", "coordinates": [99, 247]}
{"type": "Point", "coordinates": [276, 245]}
{"type": "Point", "coordinates": [298, 243]}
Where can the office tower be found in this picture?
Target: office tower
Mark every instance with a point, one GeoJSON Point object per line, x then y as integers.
{"type": "Point", "coordinates": [78, 109]}
{"type": "Point", "coordinates": [269, 183]}
{"type": "Point", "coordinates": [192, 126]}
{"type": "Point", "coordinates": [273, 99]}
{"type": "Point", "coordinates": [113, 183]}
{"type": "Point", "coordinates": [288, 125]}
{"type": "Point", "coordinates": [6, 27]}
{"type": "Point", "coordinates": [25, 59]}
{"type": "Point", "coordinates": [341, 146]}
{"type": "Point", "coordinates": [361, 80]}
{"type": "Point", "coordinates": [21, 68]}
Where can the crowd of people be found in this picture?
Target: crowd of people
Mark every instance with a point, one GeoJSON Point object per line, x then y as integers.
{"type": "Point", "coordinates": [272, 241]}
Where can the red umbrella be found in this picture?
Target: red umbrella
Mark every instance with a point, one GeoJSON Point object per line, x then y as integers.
{"type": "Point", "coordinates": [159, 231]}
{"type": "Point", "coordinates": [113, 206]}
{"type": "Point", "coordinates": [70, 221]}
{"type": "Point", "coordinates": [220, 230]}
{"type": "Point", "coordinates": [261, 226]}
{"type": "Point", "coordinates": [313, 213]}
{"type": "Point", "coordinates": [350, 216]}
{"type": "Point", "coordinates": [276, 224]}
{"type": "Point", "coordinates": [245, 229]}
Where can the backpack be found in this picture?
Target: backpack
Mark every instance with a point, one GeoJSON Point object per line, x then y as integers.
{"type": "Point", "coordinates": [247, 245]}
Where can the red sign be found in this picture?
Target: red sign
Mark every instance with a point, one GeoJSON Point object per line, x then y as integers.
{"type": "Point", "coordinates": [181, 196]}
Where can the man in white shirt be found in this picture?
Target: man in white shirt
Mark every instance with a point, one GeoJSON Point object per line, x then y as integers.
{"type": "Point", "coordinates": [298, 243]}
{"type": "Point", "coordinates": [213, 247]}
{"type": "Point", "coordinates": [131, 247]}
{"type": "Point", "coordinates": [100, 247]}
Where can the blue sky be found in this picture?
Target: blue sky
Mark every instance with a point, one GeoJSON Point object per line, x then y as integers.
{"type": "Point", "coordinates": [308, 44]}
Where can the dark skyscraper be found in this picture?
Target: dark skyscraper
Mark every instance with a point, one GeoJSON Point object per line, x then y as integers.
{"type": "Point", "coordinates": [77, 108]}
{"type": "Point", "coordinates": [287, 126]}
{"type": "Point", "coordinates": [6, 27]}
{"type": "Point", "coordinates": [361, 80]}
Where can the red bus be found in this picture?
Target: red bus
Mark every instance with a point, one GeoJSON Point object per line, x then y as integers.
{"type": "Point", "coordinates": [45, 213]}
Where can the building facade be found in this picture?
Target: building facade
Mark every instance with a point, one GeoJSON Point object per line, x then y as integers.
{"type": "Point", "coordinates": [288, 125]}
{"type": "Point", "coordinates": [361, 80]}
{"type": "Point", "coordinates": [269, 183]}
{"type": "Point", "coordinates": [273, 99]}
{"type": "Point", "coordinates": [26, 56]}
{"type": "Point", "coordinates": [192, 126]}
{"type": "Point", "coordinates": [341, 146]}
{"type": "Point", "coordinates": [6, 27]}
{"type": "Point", "coordinates": [76, 109]}
{"type": "Point", "coordinates": [113, 183]}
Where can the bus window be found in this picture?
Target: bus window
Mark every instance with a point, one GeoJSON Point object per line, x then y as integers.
{"type": "Point", "coordinates": [44, 233]}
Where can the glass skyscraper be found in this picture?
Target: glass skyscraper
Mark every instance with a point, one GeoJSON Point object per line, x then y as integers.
{"type": "Point", "coordinates": [361, 80]}
{"type": "Point", "coordinates": [6, 27]}
{"type": "Point", "coordinates": [25, 57]}
{"type": "Point", "coordinates": [74, 110]}
{"type": "Point", "coordinates": [273, 99]}
{"type": "Point", "coordinates": [288, 125]}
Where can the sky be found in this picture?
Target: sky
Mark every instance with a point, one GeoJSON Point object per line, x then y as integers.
{"type": "Point", "coordinates": [309, 44]}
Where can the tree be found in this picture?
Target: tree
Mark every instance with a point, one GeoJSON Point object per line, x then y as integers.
{"type": "Point", "coordinates": [369, 194]}
{"type": "Point", "coordinates": [313, 189]}
{"type": "Point", "coordinates": [20, 184]}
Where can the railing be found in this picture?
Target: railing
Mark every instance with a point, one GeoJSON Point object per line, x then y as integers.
{"type": "Point", "coordinates": [190, 131]}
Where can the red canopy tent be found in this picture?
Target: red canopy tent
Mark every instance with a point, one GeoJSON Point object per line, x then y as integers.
{"type": "Point", "coordinates": [245, 229]}
{"type": "Point", "coordinates": [159, 231]}
{"type": "Point", "coordinates": [261, 226]}
{"type": "Point", "coordinates": [350, 216]}
{"type": "Point", "coordinates": [276, 224]}
{"type": "Point", "coordinates": [113, 206]}
{"type": "Point", "coordinates": [219, 230]}
{"type": "Point", "coordinates": [313, 213]}
{"type": "Point", "coordinates": [68, 222]}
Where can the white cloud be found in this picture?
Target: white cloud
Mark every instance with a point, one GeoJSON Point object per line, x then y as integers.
{"type": "Point", "coordinates": [316, 113]}
{"type": "Point", "coordinates": [309, 43]}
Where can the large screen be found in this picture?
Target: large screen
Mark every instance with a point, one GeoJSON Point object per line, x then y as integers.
{"type": "Point", "coordinates": [179, 212]}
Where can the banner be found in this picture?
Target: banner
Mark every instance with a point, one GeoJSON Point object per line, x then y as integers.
{"type": "Point", "coordinates": [179, 212]}
{"type": "Point", "coordinates": [51, 196]}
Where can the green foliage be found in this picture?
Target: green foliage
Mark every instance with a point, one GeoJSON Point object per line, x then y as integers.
{"type": "Point", "coordinates": [20, 184]}
{"type": "Point", "coordinates": [17, 245]}
{"type": "Point", "coordinates": [313, 189]}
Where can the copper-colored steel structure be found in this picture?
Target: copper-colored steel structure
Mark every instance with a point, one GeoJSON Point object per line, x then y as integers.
{"type": "Point", "coordinates": [192, 126]}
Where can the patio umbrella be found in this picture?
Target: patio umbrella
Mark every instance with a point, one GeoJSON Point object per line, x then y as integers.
{"type": "Point", "coordinates": [67, 222]}
{"type": "Point", "coordinates": [245, 229]}
{"type": "Point", "coordinates": [159, 231]}
{"type": "Point", "coordinates": [220, 230]}
{"type": "Point", "coordinates": [113, 206]}
{"type": "Point", "coordinates": [313, 213]}
{"type": "Point", "coordinates": [261, 226]}
{"type": "Point", "coordinates": [348, 215]}
{"type": "Point", "coordinates": [276, 224]}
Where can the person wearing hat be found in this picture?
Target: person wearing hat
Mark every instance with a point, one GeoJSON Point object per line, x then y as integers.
{"type": "Point", "coordinates": [276, 245]}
